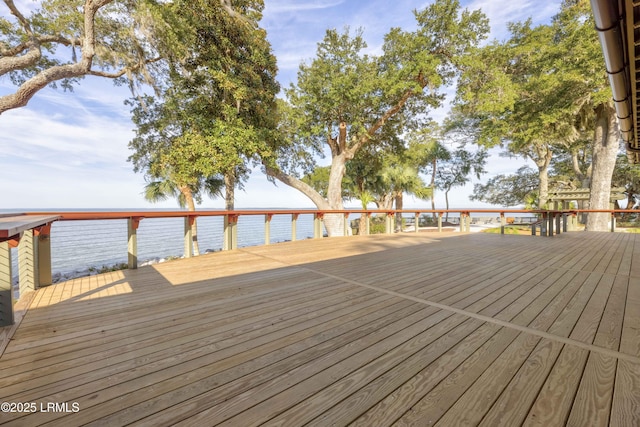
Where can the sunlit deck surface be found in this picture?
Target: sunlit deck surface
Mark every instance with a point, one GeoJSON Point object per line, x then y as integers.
{"type": "Point", "coordinates": [407, 329]}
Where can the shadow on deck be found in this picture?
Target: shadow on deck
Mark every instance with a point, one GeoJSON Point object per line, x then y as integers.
{"type": "Point", "coordinates": [407, 329]}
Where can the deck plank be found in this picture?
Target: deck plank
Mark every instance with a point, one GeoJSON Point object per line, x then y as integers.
{"type": "Point", "coordinates": [406, 329]}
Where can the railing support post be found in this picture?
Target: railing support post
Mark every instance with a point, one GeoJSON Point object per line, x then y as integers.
{"type": "Point", "coordinates": [43, 265]}
{"type": "Point", "coordinates": [388, 223]}
{"type": "Point", "coordinates": [417, 222]}
{"type": "Point", "coordinates": [613, 222]}
{"type": "Point", "coordinates": [230, 233]}
{"type": "Point", "coordinates": [6, 298]}
{"type": "Point", "coordinates": [132, 242]}
{"type": "Point", "coordinates": [543, 225]}
{"type": "Point", "coordinates": [550, 229]}
{"type": "Point", "coordinates": [188, 237]}
{"type": "Point", "coordinates": [294, 226]}
{"type": "Point", "coordinates": [502, 222]}
{"type": "Point", "coordinates": [558, 228]}
{"type": "Point", "coordinates": [367, 229]}
{"type": "Point", "coordinates": [267, 228]}
{"type": "Point", "coordinates": [565, 227]}
{"type": "Point", "coordinates": [439, 222]}
{"type": "Point", "coordinates": [346, 225]}
{"type": "Point", "coordinates": [27, 262]}
{"type": "Point", "coordinates": [317, 225]}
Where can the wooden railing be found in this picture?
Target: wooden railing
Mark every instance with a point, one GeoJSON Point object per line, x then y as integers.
{"type": "Point", "coordinates": [30, 232]}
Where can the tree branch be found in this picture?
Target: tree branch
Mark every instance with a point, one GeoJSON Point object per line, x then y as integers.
{"type": "Point", "coordinates": [304, 188]}
{"type": "Point", "coordinates": [39, 40]}
{"type": "Point", "coordinates": [28, 89]}
{"type": "Point", "coordinates": [123, 71]}
{"type": "Point", "coordinates": [226, 5]}
{"type": "Point", "coordinates": [379, 123]}
{"type": "Point", "coordinates": [23, 21]}
{"type": "Point", "coordinates": [9, 64]}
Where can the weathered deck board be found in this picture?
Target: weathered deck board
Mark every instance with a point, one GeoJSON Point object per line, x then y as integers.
{"type": "Point", "coordinates": [423, 329]}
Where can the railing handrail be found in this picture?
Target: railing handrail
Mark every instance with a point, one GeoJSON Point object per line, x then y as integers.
{"type": "Point", "coordinates": [104, 215]}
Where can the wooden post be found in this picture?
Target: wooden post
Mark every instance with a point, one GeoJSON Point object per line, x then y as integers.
{"type": "Point", "coordinates": [462, 221]}
{"type": "Point", "coordinates": [294, 226]}
{"type": "Point", "coordinates": [234, 231]}
{"type": "Point", "coordinates": [26, 262]}
{"type": "Point", "coordinates": [543, 225]}
{"type": "Point", "coordinates": [346, 225]}
{"type": "Point", "coordinates": [367, 230]}
{"type": "Point", "coordinates": [565, 227]}
{"type": "Point", "coordinates": [188, 237]}
{"type": "Point", "coordinates": [267, 228]}
{"type": "Point", "coordinates": [317, 225]}
{"type": "Point", "coordinates": [550, 229]}
{"type": "Point", "coordinates": [502, 222]}
{"type": "Point", "coordinates": [439, 222]}
{"type": "Point", "coordinates": [132, 244]}
{"type": "Point", "coordinates": [558, 218]}
{"type": "Point", "coordinates": [6, 297]}
{"type": "Point", "coordinates": [388, 223]}
{"type": "Point", "coordinates": [226, 234]}
{"type": "Point", "coordinates": [43, 266]}
{"type": "Point", "coordinates": [533, 229]}
{"type": "Point", "coordinates": [468, 223]}
{"type": "Point", "coordinates": [230, 233]}
{"type": "Point", "coordinates": [613, 222]}
{"type": "Point", "coordinates": [417, 222]}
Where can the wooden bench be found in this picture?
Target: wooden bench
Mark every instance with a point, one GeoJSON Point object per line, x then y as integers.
{"type": "Point", "coordinates": [30, 234]}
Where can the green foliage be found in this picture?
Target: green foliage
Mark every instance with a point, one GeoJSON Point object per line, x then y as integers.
{"type": "Point", "coordinates": [215, 114]}
{"type": "Point", "coordinates": [507, 190]}
{"type": "Point", "coordinates": [456, 171]}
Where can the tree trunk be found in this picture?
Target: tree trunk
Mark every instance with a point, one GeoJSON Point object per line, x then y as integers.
{"type": "Point", "coordinates": [542, 162]}
{"type": "Point", "coordinates": [191, 206]}
{"type": "Point", "coordinates": [446, 201]}
{"type": "Point", "coordinates": [605, 150]}
{"type": "Point", "coordinates": [362, 228]}
{"type": "Point", "coordinates": [399, 206]}
{"type": "Point", "coordinates": [543, 187]}
{"type": "Point", "coordinates": [334, 223]}
{"type": "Point", "coordinates": [433, 189]}
{"type": "Point", "coordinates": [229, 191]}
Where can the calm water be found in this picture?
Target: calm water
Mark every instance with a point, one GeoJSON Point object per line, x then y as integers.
{"type": "Point", "coordinates": [77, 247]}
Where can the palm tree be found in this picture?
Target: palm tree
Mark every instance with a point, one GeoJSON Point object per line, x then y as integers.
{"type": "Point", "coordinates": [365, 198]}
{"type": "Point", "coordinates": [400, 179]}
{"type": "Point", "coordinates": [163, 188]}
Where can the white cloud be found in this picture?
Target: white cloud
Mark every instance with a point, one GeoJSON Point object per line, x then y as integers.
{"type": "Point", "coordinates": [287, 6]}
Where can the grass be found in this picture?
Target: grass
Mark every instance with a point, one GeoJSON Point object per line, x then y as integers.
{"type": "Point", "coordinates": [513, 229]}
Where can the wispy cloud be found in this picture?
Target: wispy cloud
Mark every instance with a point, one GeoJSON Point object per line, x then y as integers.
{"type": "Point", "coordinates": [502, 12]}
{"type": "Point", "coordinates": [286, 6]}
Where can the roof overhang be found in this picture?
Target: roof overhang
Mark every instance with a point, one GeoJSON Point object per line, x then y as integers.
{"type": "Point", "coordinates": [618, 26]}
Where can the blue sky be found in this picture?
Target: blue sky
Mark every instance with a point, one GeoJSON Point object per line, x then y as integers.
{"type": "Point", "coordinates": [69, 150]}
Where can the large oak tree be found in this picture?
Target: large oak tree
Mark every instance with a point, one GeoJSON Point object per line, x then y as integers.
{"type": "Point", "coordinates": [344, 99]}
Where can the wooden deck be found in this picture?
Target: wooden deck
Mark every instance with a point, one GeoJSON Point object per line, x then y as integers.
{"type": "Point", "coordinates": [406, 330]}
